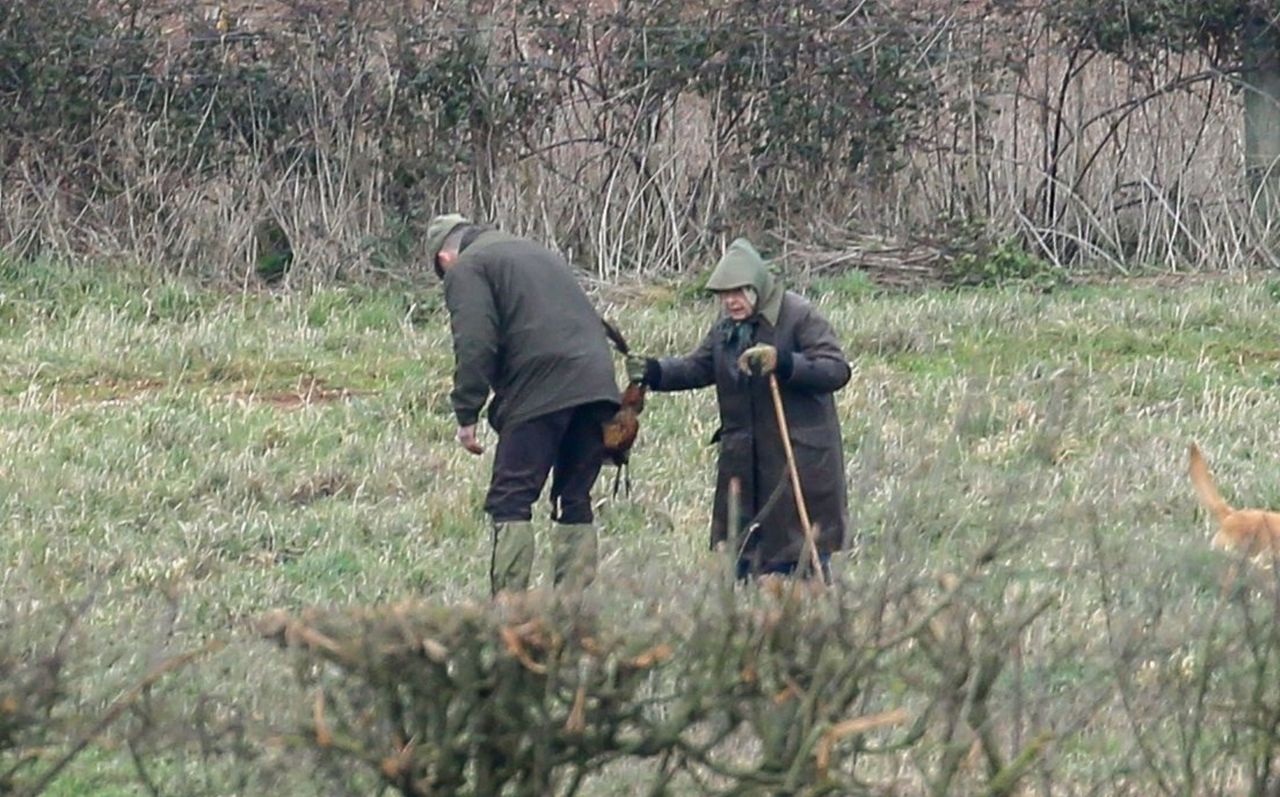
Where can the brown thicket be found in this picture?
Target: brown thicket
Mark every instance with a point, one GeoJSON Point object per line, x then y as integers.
{"type": "Point", "coordinates": [309, 141]}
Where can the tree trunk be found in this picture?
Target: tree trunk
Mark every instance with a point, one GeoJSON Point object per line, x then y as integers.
{"type": "Point", "coordinates": [1261, 79]}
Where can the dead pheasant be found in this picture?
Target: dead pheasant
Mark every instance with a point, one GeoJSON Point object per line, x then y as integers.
{"type": "Point", "coordinates": [621, 430]}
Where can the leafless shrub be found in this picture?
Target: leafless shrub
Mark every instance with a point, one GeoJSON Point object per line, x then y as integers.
{"type": "Point", "coordinates": [777, 688]}
{"type": "Point", "coordinates": [39, 685]}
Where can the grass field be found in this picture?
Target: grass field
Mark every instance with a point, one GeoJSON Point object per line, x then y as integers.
{"type": "Point", "coordinates": [181, 460]}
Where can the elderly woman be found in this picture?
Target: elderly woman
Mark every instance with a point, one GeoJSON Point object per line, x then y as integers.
{"type": "Point", "coordinates": [767, 331]}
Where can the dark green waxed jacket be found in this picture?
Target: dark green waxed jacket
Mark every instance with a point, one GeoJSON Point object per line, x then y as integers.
{"type": "Point", "coordinates": [523, 330]}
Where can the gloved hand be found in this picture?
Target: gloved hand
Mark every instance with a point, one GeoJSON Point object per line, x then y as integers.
{"type": "Point", "coordinates": [760, 360]}
{"type": "Point", "coordinates": [637, 367]}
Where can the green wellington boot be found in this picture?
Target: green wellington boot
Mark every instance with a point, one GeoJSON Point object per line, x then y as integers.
{"type": "Point", "coordinates": [512, 561]}
{"type": "Point", "coordinates": [574, 549]}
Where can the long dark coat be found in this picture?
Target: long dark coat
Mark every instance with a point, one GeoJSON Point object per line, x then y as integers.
{"type": "Point", "coordinates": [750, 441]}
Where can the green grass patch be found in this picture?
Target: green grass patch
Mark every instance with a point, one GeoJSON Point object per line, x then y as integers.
{"type": "Point", "coordinates": [236, 452]}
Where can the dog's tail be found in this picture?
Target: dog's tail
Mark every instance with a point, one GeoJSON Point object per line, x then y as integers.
{"type": "Point", "coordinates": [1203, 482]}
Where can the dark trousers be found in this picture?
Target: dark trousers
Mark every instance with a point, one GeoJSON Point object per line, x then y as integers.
{"type": "Point", "coordinates": [568, 444]}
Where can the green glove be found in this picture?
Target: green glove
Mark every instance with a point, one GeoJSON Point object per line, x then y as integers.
{"type": "Point", "coordinates": [761, 360]}
{"type": "Point", "coordinates": [637, 366]}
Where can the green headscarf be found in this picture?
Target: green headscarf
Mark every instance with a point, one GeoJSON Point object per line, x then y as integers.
{"type": "Point", "coordinates": [743, 267]}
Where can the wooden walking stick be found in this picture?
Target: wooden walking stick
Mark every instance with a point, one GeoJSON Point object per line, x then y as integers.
{"type": "Point", "coordinates": [810, 542]}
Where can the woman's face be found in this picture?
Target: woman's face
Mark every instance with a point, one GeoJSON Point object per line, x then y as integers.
{"type": "Point", "coordinates": [736, 304]}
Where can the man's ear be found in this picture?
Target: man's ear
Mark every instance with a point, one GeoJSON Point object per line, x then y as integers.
{"type": "Point", "coordinates": [446, 258]}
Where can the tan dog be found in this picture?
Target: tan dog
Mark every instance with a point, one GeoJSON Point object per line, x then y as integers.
{"type": "Point", "coordinates": [1251, 531]}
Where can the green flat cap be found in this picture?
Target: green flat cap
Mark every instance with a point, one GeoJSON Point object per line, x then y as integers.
{"type": "Point", "coordinates": [439, 229]}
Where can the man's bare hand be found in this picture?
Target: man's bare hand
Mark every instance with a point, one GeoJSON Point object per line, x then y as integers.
{"type": "Point", "coordinates": [467, 437]}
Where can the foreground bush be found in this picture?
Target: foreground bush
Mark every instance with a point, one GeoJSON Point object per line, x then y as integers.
{"type": "Point", "coordinates": [51, 710]}
{"type": "Point", "coordinates": [784, 690]}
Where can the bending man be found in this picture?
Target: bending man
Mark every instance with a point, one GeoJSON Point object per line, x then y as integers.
{"type": "Point", "coordinates": [525, 332]}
